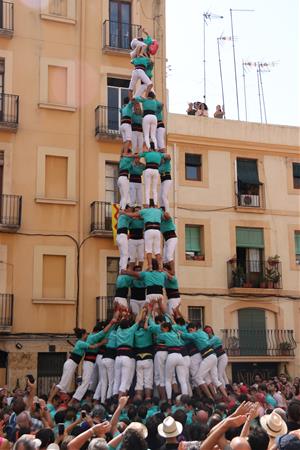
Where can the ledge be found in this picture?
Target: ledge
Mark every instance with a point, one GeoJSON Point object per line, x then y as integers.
{"type": "Point", "coordinates": [60, 19]}
{"type": "Point", "coordinates": [260, 358]}
{"type": "Point", "coordinates": [251, 209]}
{"type": "Point", "coordinates": [54, 301]}
{"type": "Point", "coordinates": [55, 201]}
{"type": "Point", "coordinates": [262, 291]}
{"type": "Point", "coordinates": [101, 233]}
{"type": "Point", "coordinates": [6, 33]}
{"type": "Point", "coordinates": [57, 107]}
{"type": "Point", "coordinates": [113, 50]}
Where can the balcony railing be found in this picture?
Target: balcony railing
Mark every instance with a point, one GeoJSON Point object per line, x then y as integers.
{"type": "Point", "coordinates": [101, 222]}
{"type": "Point", "coordinates": [248, 342]}
{"type": "Point", "coordinates": [107, 122]}
{"type": "Point", "coordinates": [104, 308]}
{"type": "Point", "coordinates": [9, 111]}
{"type": "Point", "coordinates": [118, 35]}
{"type": "Point", "coordinates": [6, 311]}
{"type": "Point", "coordinates": [6, 19]}
{"type": "Point", "coordinates": [254, 274]}
{"type": "Point", "coordinates": [10, 211]}
{"type": "Point", "coordinates": [251, 196]}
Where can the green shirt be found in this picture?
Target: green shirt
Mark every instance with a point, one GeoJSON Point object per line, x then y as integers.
{"type": "Point", "coordinates": [171, 284]}
{"type": "Point", "coordinates": [149, 104]}
{"type": "Point", "coordinates": [151, 215]}
{"type": "Point", "coordinates": [94, 338]}
{"type": "Point", "coordinates": [123, 281]}
{"type": "Point", "coordinates": [167, 225]}
{"type": "Point", "coordinates": [154, 278]}
{"type": "Point", "coordinates": [199, 337]}
{"type": "Point", "coordinates": [136, 224]}
{"type": "Point", "coordinates": [140, 61]}
{"type": "Point", "coordinates": [149, 69]}
{"type": "Point", "coordinates": [125, 163]}
{"type": "Point", "coordinates": [165, 166]}
{"type": "Point", "coordinates": [171, 339]}
{"type": "Point", "coordinates": [125, 337]}
{"type": "Point", "coordinates": [215, 342]}
{"type": "Point", "coordinates": [136, 169]}
{"type": "Point", "coordinates": [142, 338]}
{"type": "Point", "coordinates": [80, 347]}
{"type": "Point", "coordinates": [137, 118]}
{"type": "Point", "coordinates": [112, 339]}
{"type": "Point", "coordinates": [126, 110]}
{"type": "Point", "coordinates": [137, 283]}
{"type": "Point", "coordinates": [152, 157]}
{"type": "Point", "coordinates": [123, 221]}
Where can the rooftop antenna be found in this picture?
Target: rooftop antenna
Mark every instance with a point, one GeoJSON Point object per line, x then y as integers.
{"type": "Point", "coordinates": [222, 38]}
{"type": "Point", "coordinates": [206, 16]}
{"type": "Point", "coordinates": [234, 57]}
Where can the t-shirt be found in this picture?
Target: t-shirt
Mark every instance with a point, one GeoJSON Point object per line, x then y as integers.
{"type": "Point", "coordinates": [125, 163]}
{"type": "Point", "coordinates": [126, 110]}
{"type": "Point", "coordinates": [136, 224]}
{"type": "Point", "coordinates": [94, 338]}
{"type": "Point", "coordinates": [125, 336]}
{"type": "Point", "coordinates": [154, 278]}
{"type": "Point", "coordinates": [150, 104]}
{"type": "Point", "coordinates": [137, 169]}
{"type": "Point", "coordinates": [137, 118]}
{"type": "Point", "coordinates": [171, 284]}
{"type": "Point", "coordinates": [215, 342]}
{"type": "Point", "coordinates": [140, 61]}
{"type": "Point", "coordinates": [165, 166]}
{"type": "Point", "coordinates": [123, 281]}
{"type": "Point", "coordinates": [123, 221]}
{"type": "Point", "coordinates": [142, 338]}
{"type": "Point", "coordinates": [152, 157]}
{"type": "Point", "coordinates": [167, 225]}
{"type": "Point", "coordinates": [151, 215]}
{"type": "Point", "coordinates": [80, 347]}
{"type": "Point", "coordinates": [199, 337]}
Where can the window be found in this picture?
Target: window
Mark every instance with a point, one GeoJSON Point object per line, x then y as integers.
{"type": "Point", "coordinates": [58, 7]}
{"type": "Point", "coordinates": [297, 246]}
{"type": "Point", "coordinates": [194, 242]}
{"type": "Point", "coordinates": [56, 177]}
{"type": "Point", "coordinates": [112, 271]}
{"type": "Point", "coordinates": [250, 254]}
{"type": "Point", "coordinates": [117, 90]}
{"type": "Point", "coordinates": [196, 315]}
{"type": "Point", "coordinates": [54, 276]}
{"type": "Point", "coordinates": [59, 10]}
{"type": "Point", "coordinates": [1, 171]}
{"type": "Point", "coordinates": [49, 370]}
{"type": "Point", "coordinates": [193, 167]}
{"type": "Point", "coordinates": [119, 24]}
{"type": "Point", "coordinates": [112, 194]}
{"type": "Point", "coordinates": [57, 85]}
{"type": "Point", "coordinates": [296, 175]}
{"type": "Point", "coordinates": [247, 183]}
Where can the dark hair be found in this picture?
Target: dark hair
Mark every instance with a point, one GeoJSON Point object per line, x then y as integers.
{"type": "Point", "coordinates": [208, 326]}
{"type": "Point", "coordinates": [79, 332]}
{"type": "Point", "coordinates": [151, 203]}
{"type": "Point", "coordinates": [23, 430]}
{"type": "Point", "coordinates": [131, 412]}
{"type": "Point", "coordinates": [153, 439]}
{"type": "Point", "coordinates": [124, 323]}
{"type": "Point", "coordinates": [180, 416]}
{"type": "Point", "coordinates": [151, 94]}
{"type": "Point", "coordinates": [133, 439]}
{"type": "Point", "coordinates": [180, 321]}
{"type": "Point", "coordinates": [46, 437]}
{"type": "Point", "coordinates": [191, 325]}
{"type": "Point", "coordinates": [60, 416]}
{"type": "Point", "coordinates": [159, 319]}
{"type": "Point", "coordinates": [294, 410]}
{"type": "Point", "coordinates": [167, 325]}
{"type": "Point", "coordinates": [258, 439]}
{"type": "Point", "coordinates": [126, 100]}
{"type": "Point", "coordinates": [154, 264]}
{"type": "Point", "coordinates": [164, 406]}
{"type": "Point", "coordinates": [142, 411]}
{"type": "Point", "coordinates": [198, 431]}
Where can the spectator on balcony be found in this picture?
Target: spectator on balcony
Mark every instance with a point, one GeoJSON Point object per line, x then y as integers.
{"type": "Point", "coordinates": [202, 110]}
{"type": "Point", "coordinates": [137, 128]}
{"type": "Point", "coordinates": [125, 128]}
{"type": "Point", "coordinates": [191, 111]}
{"type": "Point", "coordinates": [135, 182]}
{"type": "Point", "coordinates": [136, 245]}
{"type": "Point", "coordinates": [151, 106]}
{"type": "Point", "coordinates": [217, 345]}
{"type": "Point", "coordinates": [219, 113]}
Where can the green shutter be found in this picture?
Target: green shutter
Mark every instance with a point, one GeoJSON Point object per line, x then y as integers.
{"type": "Point", "coordinates": [297, 243]}
{"type": "Point", "coordinates": [249, 237]}
{"type": "Point", "coordinates": [192, 239]}
{"type": "Point", "coordinates": [247, 171]}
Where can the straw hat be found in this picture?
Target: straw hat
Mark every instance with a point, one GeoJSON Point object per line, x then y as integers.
{"type": "Point", "coordinates": [273, 424]}
{"type": "Point", "coordinates": [139, 427]}
{"type": "Point", "coordinates": [169, 428]}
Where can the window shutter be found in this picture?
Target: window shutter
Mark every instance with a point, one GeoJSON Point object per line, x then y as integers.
{"type": "Point", "coordinates": [247, 171]}
{"type": "Point", "coordinates": [297, 242]}
{"type": "Point", "coordinates": [192, 239]}
{"type": "Point", "coordinates": [249, 237]}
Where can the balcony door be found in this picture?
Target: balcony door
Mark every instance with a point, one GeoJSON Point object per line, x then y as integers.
{"type": "Point", "coordinates": [247, 183]}
{"type": "Point", "coordinates": [1, 182]}
{"type": "Point", "coordinates": [117, 90]}
{"type": "Point", "coordinates": [1, 13]}
{"type": "Point", "coordinates": [250, 255]}
{"type": "Point", "coordinates": [252, 332]}
{"type": "Point", "coordinates": [119, 24]}
{"type": "Point", "coordinates": [2, 72]}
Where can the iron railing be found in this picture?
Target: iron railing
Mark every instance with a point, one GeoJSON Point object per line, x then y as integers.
{"type": "Point", "coordinates": [104, 308]}
{"type": "Point", "coordinates": [118, 35]}
{"type": "Point", "coordinates": [101, 221]}
{"type": "Point", "coordinates": [10, 211]}
{"type": "Point", "coordinates": [107, 121]}
{"type": "Point", "coordinates": [6, 310]}
{"type": "Point", "coordinates": [9, 111]}
{"type": "Point", "coordinates": [254, 274]}
{"type": "Point", "coordinates": [250, 197]}
{"type": "Point", "coordinates": [246, 342]}
{"type": "Point", "coordinates": [6, 18]}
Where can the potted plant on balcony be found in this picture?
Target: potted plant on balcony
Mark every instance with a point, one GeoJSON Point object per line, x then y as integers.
{"type": "Point", "coordinates": [273, 260]}
{"type": "Point", "coordinates": [272, 276]}
{"type": "Point", "coordinates": [238, 276]}
{"type": "Point", "coordinates": [285, 348]}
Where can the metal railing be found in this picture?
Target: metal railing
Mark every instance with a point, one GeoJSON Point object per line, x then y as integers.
{"type": "Point", "coordinates": [104, 308]}
{"type": "Point", "coordinates": [6, 310]}
{"type": "Point", "coordinates": [118, 35]}
{"type": "Point", "coordinates": [246, 342]}
{"type": "Point", "coordinates": [9, 110]}
{"type": "Point", "coordinates": [254, 274]}
{"type": "Point", "coordinates": [6, 18]}
{"type": "Point", "coordinates": [10, 210]}
{"type": "Point", "coordinates": [250, 197]}
{"type": "Point", "coordinates": [107, 121]}
{"type": "Point", "coordinates": [101, 220]}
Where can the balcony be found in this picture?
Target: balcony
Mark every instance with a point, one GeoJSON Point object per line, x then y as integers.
{"type": "Point", "coordinates": [9, 112]}
{"type": "Point", "coordinates": [272, 343]}
{"type": "Point", "coordinates": [107, 122]}
{"type": "Point", "coordinates": [6, 19]}
{"type": "Point", "coordinates": [254, 274]}
{"type": "Point", "coordinates": [101, 221]}
{"type": "Point", "coordinates": [117, 36]}
{"type": "Point", "coordinates": [10, 212]}
{"type": "Point", "coordinates": [104, 308]}
{"type": "Point", "coordinates": [6, 312]}
{"type": "Point", "coordinates": [250, 196]}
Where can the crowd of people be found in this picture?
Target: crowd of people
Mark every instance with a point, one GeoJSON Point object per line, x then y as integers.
{"type": "Point", "coordinates": [201, 109]}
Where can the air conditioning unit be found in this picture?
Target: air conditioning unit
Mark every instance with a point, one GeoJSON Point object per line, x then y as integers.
{"type": "Point", "coordinates": [249, 200]}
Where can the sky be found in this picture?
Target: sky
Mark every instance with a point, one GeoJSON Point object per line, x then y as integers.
{"type": "Point", "coordinates": [268, 34]}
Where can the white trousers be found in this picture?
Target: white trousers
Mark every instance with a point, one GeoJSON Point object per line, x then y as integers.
{"type": "Point", "coordinates": [151, 176]}
{"type": "Point", "coordinates": [123, 185]}
{"type": "Point", "coordinates": [99, 368]}
{"type": "Point", "coordinates": [144, 375]}
{"type": "Point", "coordinates": [160, 137]}
{"type": "Point", "coordinates": [163, 194]}
{"type": "Point", "coordinates": [124, 373]}
{"type": "Point", "coordinates": [137, 140]}
{"type": "Point", "coordinates": [222, 364]}
{"type": "Point", "coordinates": [107, 382]}
{"type": "Point", "coordinates": [172, 303]}
{"type": "Point", "coordinates": [141, 89]}
{"type": "Point", "coordinates": [136, 250]}
{"type": "Point", "coordinates": [187, 365]}
{"type": "Point", "coordinates": [160, 359]}
{"type": "Point", "coordinates": [208, 368]}
{"type": "Point", "coordinates": [136, 194]}
{"type": "Point", "coordinates": [194, 367]}
{"type": "Point", "coordinates": [136, 305]}
{"type": "Point", "coordinates": [94, 379]}
{"type": "Point", "coordinates": [67, 376]}
{"type": "Point", "coordinates": [87, 371]}
{"type": "Point", "coordinates": [152, 241]}
{"type": "Point", "coordinates": [122, 243]}
{"type": "Point", "coordinates": [126, 132]}
{"type": "Point", "coordinates": [149, 129]}
{"type": "Point", "coordinates": [174, 362]}
{"type": "Point", "coordinates": [138, 74]}
{"type": "Point", "coordinates": [169, 249]}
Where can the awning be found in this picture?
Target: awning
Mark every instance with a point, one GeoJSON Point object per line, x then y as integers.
{"type": "Point", "coordinates": [249, 237]}
{"type": "Point", "coordinates": [247, 171]}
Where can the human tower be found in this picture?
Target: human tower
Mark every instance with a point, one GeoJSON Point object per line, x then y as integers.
{"type": "Point", "coordinates": [148, 345]}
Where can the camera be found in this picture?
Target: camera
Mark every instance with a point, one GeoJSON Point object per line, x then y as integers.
{"type": "Point", "coordinates": [30, 378]}
{"type": "Point", "coordinates": [61, 428]}
{"type": "Point", "coordinates": [37, 407]}
{"type": "Point", "coordinates": [83, 414]}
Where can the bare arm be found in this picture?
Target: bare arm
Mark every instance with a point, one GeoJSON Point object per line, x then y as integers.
{"type": "Point", "coordinates": [131, 273]}
{"type": "Point", "coordinates": [220, 429]}
{"type": "Point", "coordinates": [133, 215]}
{"type": "Point", "coordinates": [100, 430]}
{"type": "Point", "coordinates": [115, 418]}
